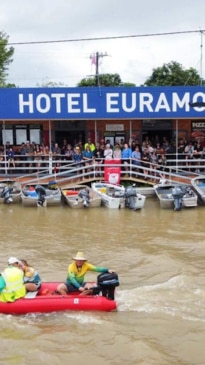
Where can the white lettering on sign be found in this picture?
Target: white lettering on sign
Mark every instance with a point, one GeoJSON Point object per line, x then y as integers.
{"type": "Point", "coordinates": [58, 98]}
{"type": "Point", "coordinates": [126, 103]}
{"type": "Point", "coordinates": [43, 103]}
{"type": "Point", "coordinates": [180, 103]}
{"type": "Point", "coordinates": [23, 103]}
{"type": "Point", "coordinates": [145, 100]}
{"type": "Point", "coordinates": [162, 103]}
{"type": "Point", "coordinates": [133, 105]}
{"type": "Point", "coordinates": [111, 102]}
{"type": "Point", "coordinates": [86, 109]}
{"type": "Point", "coordinates": [73, 103]}
{"type": "Point", "coordinates": [198, 125]}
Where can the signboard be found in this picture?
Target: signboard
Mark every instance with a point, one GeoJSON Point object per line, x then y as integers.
{"type": "Point", "coordinates": [114, 127]}
{"type": "Point", "coordinates": [112, 173]}
{"type": "Point", "coordinates": [105, 103]}
{"type": "Point", "coordinates": [198, 125]}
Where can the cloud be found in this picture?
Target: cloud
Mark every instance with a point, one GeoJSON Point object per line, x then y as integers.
{"type": "Point", "coordinates": [133, 58]}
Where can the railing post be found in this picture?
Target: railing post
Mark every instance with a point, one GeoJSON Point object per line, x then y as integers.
{"type": "Point", "coordinates": [50, 168]}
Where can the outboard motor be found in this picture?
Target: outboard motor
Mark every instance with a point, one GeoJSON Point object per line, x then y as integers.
{"type": "Point", "coordinates": [6, 194]}
{"type": "Point", "coordinates": [130, 195]}
{"type": "Point", "coordinates": [41, 191]}
{"type": "Point", "coordinates": [177, 194]}
{"type": "Point", "coordinates": [106, 283]}
{"type": "Point", "coordinates": [84, 194]}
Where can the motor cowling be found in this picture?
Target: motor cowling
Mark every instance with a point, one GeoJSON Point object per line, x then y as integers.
{"type": "Point", "coordinates": [130, 191]}
{"type": "Point", "coordinates": [41, 191]}
{"type": "Point", "coordinates": [6, 194]}
{"type": "Point", "coordinates": [177, 194]}
{"type": "Point", "coordinates": [106, 283]}
{"type": "Point", "coordinates": [84, 194]}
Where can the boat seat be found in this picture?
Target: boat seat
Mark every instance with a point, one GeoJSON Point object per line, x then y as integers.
{"type": "Point", "coordinates": [31, 294]}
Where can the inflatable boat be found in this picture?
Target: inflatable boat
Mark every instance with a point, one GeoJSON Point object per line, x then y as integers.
{"type": "Point", "coordinates": [46, 300]}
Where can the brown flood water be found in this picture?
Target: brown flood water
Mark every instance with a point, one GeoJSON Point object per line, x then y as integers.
{"type": "Point", "coordinates": [159, 256]}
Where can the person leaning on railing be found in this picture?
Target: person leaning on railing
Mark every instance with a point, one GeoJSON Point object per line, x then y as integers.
{"type": "Point", "coordinates": [126, 156]}
{"type": "Point", "coordinates": [87, 158]}
{"type": "Point", "coordinates": [98, 157]}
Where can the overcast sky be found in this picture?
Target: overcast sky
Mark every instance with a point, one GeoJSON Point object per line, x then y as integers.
{"type": "Point", "coordinates": [132, 58]}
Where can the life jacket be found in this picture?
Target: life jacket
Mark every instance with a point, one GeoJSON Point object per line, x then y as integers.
{"type": "Point", "coordinates": [15, 287]}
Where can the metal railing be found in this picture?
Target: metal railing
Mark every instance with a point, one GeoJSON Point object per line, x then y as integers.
{"type": "Point", "coordinates": [57, 167]}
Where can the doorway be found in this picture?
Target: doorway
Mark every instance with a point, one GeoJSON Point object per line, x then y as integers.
{"type": "Point", "coordinates": [72, 137]}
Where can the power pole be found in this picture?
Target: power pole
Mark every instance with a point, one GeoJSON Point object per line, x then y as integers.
{"type": "Point", "coordinates": [95, 60]}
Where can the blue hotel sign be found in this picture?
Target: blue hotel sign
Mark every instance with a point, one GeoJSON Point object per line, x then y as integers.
{"type": "Point", "coordinates": [102, 103]}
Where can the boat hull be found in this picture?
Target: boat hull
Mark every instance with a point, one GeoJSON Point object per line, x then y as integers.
{"type": "Point", "coordinates": [45, 302]}
{"type": "Point", "coordinates": [164, 193]}
{"type": "Point", "coordinates": [31, 198]}
{"type": "Point", "coordinates": [198, 185]}
{"type": "Point", "coordinates": [73, 199]}
{"type": "Point", "coordinates": [111, 195]}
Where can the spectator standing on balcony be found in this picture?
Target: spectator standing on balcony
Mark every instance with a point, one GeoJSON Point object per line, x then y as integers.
{"type": "Point", "coordinates": [56, 152]}
{"type": "Point", "coordinates": [38, 156]}
{"type": "Point", "coordinates": [198, 149]}
{"type": "Point", "coordinates": [87, 158]}
{"type": "Point", "coordinates": [90, 144]}
{"type": "Point", "coordinates": [77, 158]}
{"type": "Point", "coordinates": [29, 155]}
{"type": "Point", "coordinates": [189, 151]}
{"type": "Point", "coordinates": [68, 152]}
{"type": "Point", "coordinates": [10, 153]}
{"type": "Point", "coordinates": [170, 152]}
{"type": "Point", "coordinates": [136, 157]}
{"type": "Point", "coordinates": [22, 152]}
{"type": "Point", "coordinates": [126, 156]}
{"type": "Point", "coordinates": [117, 153]}
{"type": "Point", "coordinates": [64, 146]}
{"type": "Point", "coordinates": [108, 152]}
{"type": "Point", "coordinates": [98, 157]}
{"type": "Point", "coordinates": [2, 163]}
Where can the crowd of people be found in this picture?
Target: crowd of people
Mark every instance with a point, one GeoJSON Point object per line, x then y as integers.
{"type": "Point", "coordinates": [156, 154]}
{"type": "Point", "coordinates": [19, 278]}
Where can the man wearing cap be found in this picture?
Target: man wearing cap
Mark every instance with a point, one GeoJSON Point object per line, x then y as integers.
{"type": "Point", "coordinates": [76, 274]}
{"type": "Point", "coordinates": [11, 282]}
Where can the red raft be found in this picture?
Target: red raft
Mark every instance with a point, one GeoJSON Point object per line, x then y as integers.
{"type": "Point", "coordinates": [45, 302]}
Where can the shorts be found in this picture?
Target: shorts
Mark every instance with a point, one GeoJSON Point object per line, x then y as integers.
{"type": "Point", "coordinates": [37, 283]}
{"type": "Point", "coordinates": [71, 288]}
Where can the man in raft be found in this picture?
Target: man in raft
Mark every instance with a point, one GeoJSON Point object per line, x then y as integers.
{"type": "Point", "coordinates": [11, 282]}
{"type": "Point", "coordinates": [76, 274]}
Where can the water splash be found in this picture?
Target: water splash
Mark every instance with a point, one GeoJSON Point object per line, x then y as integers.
{"type": "Point", "coordinates": [175, 297]}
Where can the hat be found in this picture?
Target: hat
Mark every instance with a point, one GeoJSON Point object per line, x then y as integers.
{"type": "Point", "coordinates": [79, 256]}
{"type": "Point", "coordinates": [13, 260]}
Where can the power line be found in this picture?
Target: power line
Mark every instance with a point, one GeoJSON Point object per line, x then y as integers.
{"type": "Point", "coordinates": [106, 38]}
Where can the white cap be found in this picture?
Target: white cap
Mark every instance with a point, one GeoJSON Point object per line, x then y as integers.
{"type": "Point", "coordinates": [13, 260]}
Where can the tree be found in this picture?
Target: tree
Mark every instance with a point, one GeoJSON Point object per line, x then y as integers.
{"type": "Point", "coordinates": [173, 74]}
{"type": "Point", "coordinates": [6, 54]}
{"type": "Point", "coordinates": [46, 83]}
{"type": "Point", "coordinates": [104, 80]}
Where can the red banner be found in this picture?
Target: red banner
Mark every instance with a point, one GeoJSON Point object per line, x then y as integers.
{"type": "Point", "coordinates": [112, 173]}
